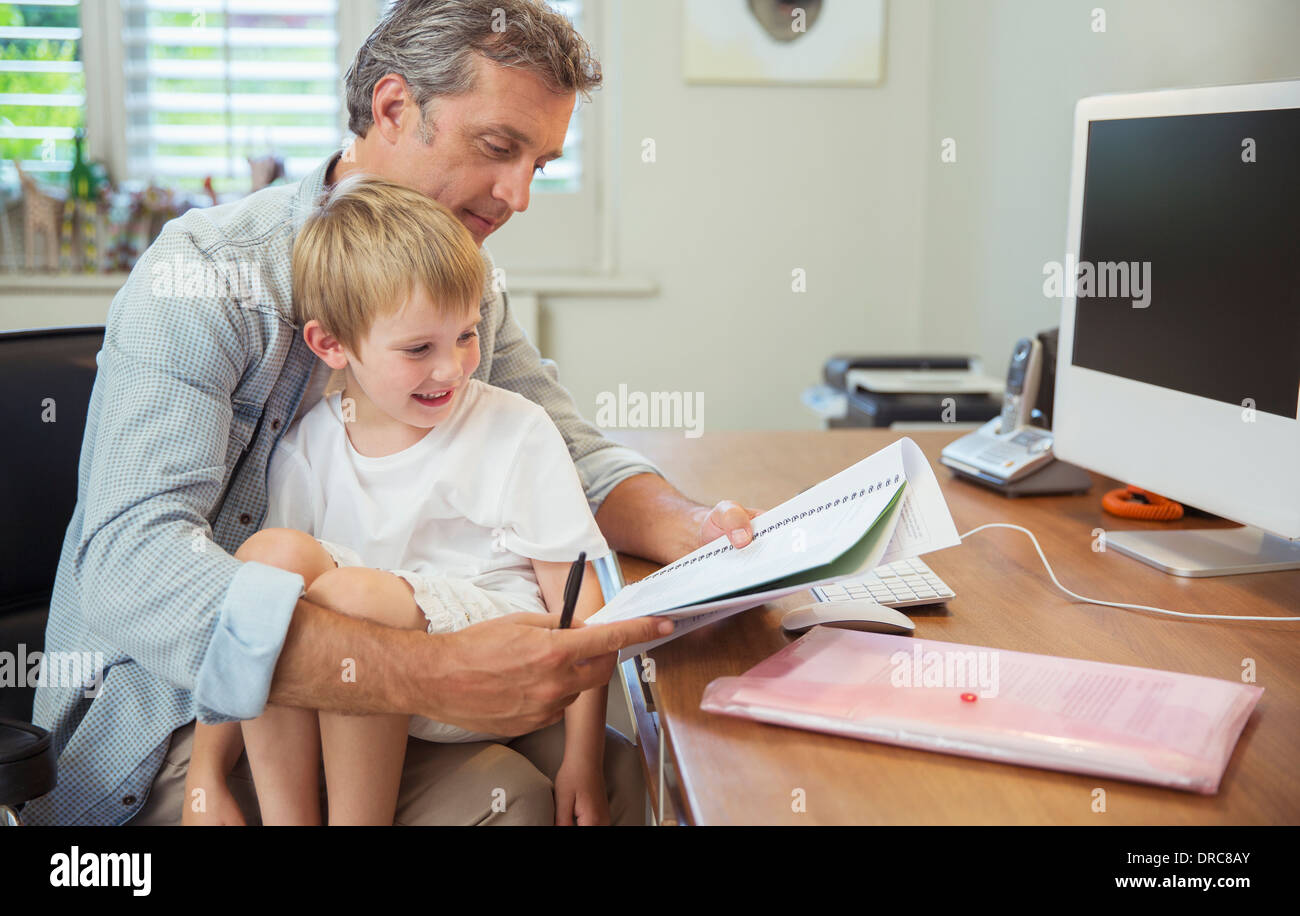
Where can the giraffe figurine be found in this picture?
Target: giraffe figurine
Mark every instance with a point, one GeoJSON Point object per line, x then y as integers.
{"type": "Point", "coordinates": [265, 170]}
{"type": "Point", "coordinates": [42, 216]}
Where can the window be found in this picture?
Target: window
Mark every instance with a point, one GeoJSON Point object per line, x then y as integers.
{"type": "Point", "coordinates": [184, 90]}
{"type": "Point", "coordinates": [42, 84]}
{"type": "Point", "coordinates": [210, 83]}
{"type": "Point", "coordinates": [565, 228]}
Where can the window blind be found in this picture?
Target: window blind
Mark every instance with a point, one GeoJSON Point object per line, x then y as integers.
{"type": "Point", "coordinates": [42, 84]}
{"type": "Point", "coordinates": [210, 83]}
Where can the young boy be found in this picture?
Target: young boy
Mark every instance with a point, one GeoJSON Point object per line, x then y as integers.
{"type": "Point", "coordinates": [417, 497]}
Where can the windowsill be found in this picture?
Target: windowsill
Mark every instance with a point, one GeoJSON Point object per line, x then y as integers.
{"type": "Point", "coordinates": [52, 282]}
{"type": "Point", "coordinates": [546, 285]}
{"type": "Point", "coordinates": [580, 285]}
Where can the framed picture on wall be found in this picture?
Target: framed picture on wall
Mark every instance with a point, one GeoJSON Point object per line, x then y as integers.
{"type": "Point", "coordinates": [775, 42]}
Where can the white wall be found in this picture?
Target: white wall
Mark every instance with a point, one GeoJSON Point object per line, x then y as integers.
{"type": "Point", "coordinates": [749, 183]}
{"type": "Point", "coordinates": [1005, 77]}
{"type": "Point", "coordinates": [903, 252]}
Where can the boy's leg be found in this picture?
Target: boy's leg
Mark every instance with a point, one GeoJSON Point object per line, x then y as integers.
{"type": "Point", "coordinates": [208, 800]}
{"type": "Point", "coordinates": [167, 795]}
{"type": "Point", "coordinates": [283, 748]}
{"type": "Point", "coordinates": [454, 781]}
{"type": "Point", "coordinates": [283, 744]}
{"type": "Point", "coordinates": [364, 754]}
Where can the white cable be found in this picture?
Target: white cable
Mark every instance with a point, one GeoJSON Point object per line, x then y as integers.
{"type": "Point", "coordinates": [1119, 604]}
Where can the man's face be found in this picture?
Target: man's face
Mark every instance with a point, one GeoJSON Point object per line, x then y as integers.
{"type": "Point", "coordinates": [483, 147]}
{"type": "Point", "coordinates": [414, 353]}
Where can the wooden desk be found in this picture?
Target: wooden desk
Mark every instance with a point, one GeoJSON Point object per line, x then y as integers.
{"type": "Point", "coordinates": [732, 771]}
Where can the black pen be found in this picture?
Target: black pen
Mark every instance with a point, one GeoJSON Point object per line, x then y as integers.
{"type": "Point", "coordinates": [571, 589]}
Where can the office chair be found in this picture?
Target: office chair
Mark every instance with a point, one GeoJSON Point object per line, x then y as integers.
{"type": "Point", "coordinates": [27, 767]}
{"type": "Point", "coordinates": [46, 376]}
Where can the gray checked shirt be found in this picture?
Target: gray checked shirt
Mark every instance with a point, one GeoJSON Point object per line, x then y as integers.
{"type": "Point", "coordinates": [201, 371]}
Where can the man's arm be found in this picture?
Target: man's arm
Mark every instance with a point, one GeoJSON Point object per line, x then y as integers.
{"type": "Point", "coordinates": [647, 517]}
{"type": "Point", "coordinates": [507, 676]}
{"type": "Point", "coordinates": [150, 578]}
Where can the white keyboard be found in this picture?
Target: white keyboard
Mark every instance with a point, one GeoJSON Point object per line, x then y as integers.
{"type": "Point", "coordinates": [903, 584]}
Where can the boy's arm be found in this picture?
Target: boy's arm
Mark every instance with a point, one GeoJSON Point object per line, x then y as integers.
{"type": "Point", "coordinates": [584, 729]}
{"type": "Point", "coordinates": [580, 782]}
{"type": "Point", "coordinates": [584, 733]}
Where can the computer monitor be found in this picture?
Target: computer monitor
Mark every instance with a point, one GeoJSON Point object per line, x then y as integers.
{"type": "Point", "coordinates": [1179, 372]}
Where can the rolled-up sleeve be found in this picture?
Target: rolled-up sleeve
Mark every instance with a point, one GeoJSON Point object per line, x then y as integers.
{"type": "Point", "coordinates": [235, 676]}
{"type": "Point", "coordinates": [518, 366]}
{"type": "Point", "coordinates": [151, 579]}
{"type": "Point", "coordinates": [604, 469]}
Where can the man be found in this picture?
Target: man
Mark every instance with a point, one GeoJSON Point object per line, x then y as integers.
{"type": "Point", "coordinates": [201, 372]}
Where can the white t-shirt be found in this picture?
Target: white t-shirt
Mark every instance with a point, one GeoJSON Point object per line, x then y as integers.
{"type": "Point", "coordinates": [485, 490]}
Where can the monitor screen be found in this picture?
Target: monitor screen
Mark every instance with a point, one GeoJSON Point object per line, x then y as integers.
{"type": "Point", "coordinates": [1207, 226]}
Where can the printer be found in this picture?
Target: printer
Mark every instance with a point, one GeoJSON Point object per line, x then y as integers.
{"type": "Point", "coordinates": [905, 392]}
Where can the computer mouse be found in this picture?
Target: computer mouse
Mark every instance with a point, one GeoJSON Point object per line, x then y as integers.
{"type": "Point", "coordinates": [855, 614]}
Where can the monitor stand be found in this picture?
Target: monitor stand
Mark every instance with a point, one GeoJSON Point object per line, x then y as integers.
{"type": "Point", "coordinates": [1200, 552]}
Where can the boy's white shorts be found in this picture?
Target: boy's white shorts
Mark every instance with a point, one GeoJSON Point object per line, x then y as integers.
{"type": "Point", "coordinates": [449, 604]}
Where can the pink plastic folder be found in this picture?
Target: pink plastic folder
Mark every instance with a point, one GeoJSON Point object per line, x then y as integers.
{"type": "Point", "coordinates": [1138, 724]}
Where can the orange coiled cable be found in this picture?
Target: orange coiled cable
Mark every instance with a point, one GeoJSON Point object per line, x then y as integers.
{"type": "Point", "coordinates": [1134, 502]}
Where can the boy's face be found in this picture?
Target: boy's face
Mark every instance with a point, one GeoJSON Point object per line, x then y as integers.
{"type": "Point", "coordinates": [413, 354]}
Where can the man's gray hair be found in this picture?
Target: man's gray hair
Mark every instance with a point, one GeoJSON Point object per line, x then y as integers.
{"type": "Point", "coordinates": [432, 45]}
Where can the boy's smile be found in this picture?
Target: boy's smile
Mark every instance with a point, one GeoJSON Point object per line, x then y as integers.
{"type": "Point", "coordinates": [436, 399]}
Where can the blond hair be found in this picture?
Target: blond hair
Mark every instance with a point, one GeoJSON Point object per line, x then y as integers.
{"type": "Point", "coordinates": [362, 254]}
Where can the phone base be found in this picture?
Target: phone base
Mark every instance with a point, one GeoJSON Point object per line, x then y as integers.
{"type": "Point", "coordinates": [1054, 478]}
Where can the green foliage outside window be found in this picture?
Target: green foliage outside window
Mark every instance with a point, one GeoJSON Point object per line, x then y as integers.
{"type": "Point", "coordinates": [40, 83]}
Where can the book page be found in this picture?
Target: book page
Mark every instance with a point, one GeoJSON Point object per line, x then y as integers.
{"type": "Point", "coordinates": [824, 534]}
{"type": "Point", "coordinates": [869, 550]}
{"type": "Point", "coordinates": [926, 524]}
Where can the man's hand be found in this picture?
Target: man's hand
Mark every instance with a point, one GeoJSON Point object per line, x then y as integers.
{"type": "Point", "coordinates": [727, 518]}
{"type": "Point", "coordinates": [515, 674]}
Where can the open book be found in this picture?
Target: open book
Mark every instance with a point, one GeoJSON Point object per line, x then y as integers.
{"type": "Point", "coordinates": [887, 507]}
